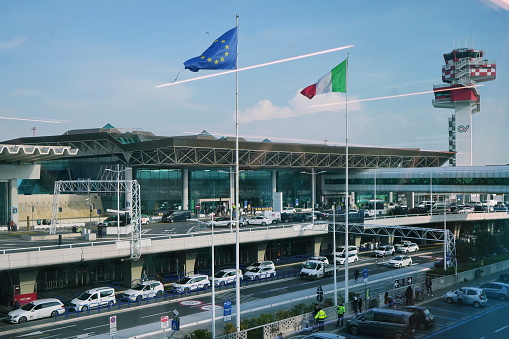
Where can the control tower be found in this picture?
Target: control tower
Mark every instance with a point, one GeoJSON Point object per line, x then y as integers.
{"type": "Point", "coordinates": [464, 68]}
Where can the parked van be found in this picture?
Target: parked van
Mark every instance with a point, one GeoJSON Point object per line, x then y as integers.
{"type": "Point", "coordinates": [340, 250]}
{"type": "Point", "coordinates": [384, 322]}
{"type": "Point", "coordinates": [93, 298]}
{"type": "Point", "coordinates": [179, 215]}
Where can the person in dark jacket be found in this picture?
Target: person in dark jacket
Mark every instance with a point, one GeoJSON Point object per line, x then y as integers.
{"type": "Point", "coordinates": [409, 294]}
{"type": "Point", "coordinates": [428, 284]}
{"type": "Point", "coordinates": [359, 303]}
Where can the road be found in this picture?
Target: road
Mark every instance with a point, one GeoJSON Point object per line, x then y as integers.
{"type": "Point", "coordinates": [255, 299]}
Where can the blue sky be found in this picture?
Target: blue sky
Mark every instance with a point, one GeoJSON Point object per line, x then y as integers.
{"type": "Point", "coordinates": [89, 63]}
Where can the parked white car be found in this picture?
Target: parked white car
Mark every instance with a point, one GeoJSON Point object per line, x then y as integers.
{"type": "Point", "coordinates": [223, 222]}
{"type": "Point", "coordinates": [260, 220]}
{"type": "Point", "coordinates": [384, 250]}
{"type": "Point", "coordinates": [352, 258]}
{"type": "Point", "coordinates": [37, 309]}
{"type": "Point", "coordinates": [192, 282]}
{"type": "Point", "coordinates": [226, 276]}
{"type": "Point", "coordinates": [467, 295]}
{"type": "Point", "coordinates": [93, 298]}
{"type": "Point", "coordinates": [144, 290]}
{"type": "Point", "coordinates": [407, 248]}
{"type": "Point", "coordinates": [400, 261]}
{"type": "Point", "coordinates": [260, 273]}
{"type": "Point", "coordinates": [261, 263]}
{"type": "Point", "coordinates": [145, 219]}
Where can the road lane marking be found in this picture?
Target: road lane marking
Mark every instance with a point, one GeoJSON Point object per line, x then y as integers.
{"type": "Point", "coordinates": [502, 328]}
{"type": "Point", "coordinates": [90, 328]}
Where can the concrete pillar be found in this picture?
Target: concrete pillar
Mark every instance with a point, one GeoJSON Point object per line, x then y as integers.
{"type": "Point", "coordinates": [134, 270]}
{"type": "Point", "coordinates": [185, 189]}
{"type": "Point", "coordinates": [13, 198]}
{"type": "Point", "coordinates": [317, 245]}
{"type": "Point", "coordinates": [457, 230]}
{"type": "Point", "coordinates": [274, 181]}
{"type": "Point", "coordinates": [27, 280]}
{"type": "Point", "coordinates": [190, 261]}
{"type": "Point", "coordinates": [411, 200]}
{"type": "Point", "coordinates": [357, 240]}
{"type": "Point", "coordinates": [391, 196]}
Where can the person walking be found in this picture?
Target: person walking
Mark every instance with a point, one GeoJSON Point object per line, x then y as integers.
{"type": "Point", "coordinates": [386, 298]}
{"type": "Point", "coordinates": [359, 303]}
{"type": "Point", "coordinates": [428, 284]}
{"type": "Point", "coordinates": [341, 314]}
{"type": "Point", "coordinates": [355, 305]}
{"type": "Point", "coordinates": [409, 293]}
{"type": "Point", "coordinates": [100, 230]}
{"type": "Point", "coordinates": [320, 319]}
{"type": "Point", "coordinates": [356, 274]}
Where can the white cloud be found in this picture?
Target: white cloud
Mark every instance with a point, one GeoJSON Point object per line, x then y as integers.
{"type": "Point", "coordinates": [17, 41]}
{"type": "Point", "coordinates": [297, 106]}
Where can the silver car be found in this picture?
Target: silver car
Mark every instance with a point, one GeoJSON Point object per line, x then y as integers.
{"type": "Point", "coordinates": [467, 295]}
{"type": "Point", "coordinates": [496, 290]}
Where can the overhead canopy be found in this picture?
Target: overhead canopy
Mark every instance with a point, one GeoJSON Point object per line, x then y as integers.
{"type": "Point", "coordinates": [30, 154]}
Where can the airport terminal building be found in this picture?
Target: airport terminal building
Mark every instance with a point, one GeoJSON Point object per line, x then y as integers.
{"type": "Point", "coordinates": [196, 173]}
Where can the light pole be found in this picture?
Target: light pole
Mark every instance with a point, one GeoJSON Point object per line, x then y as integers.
{"type": "Point", "coordinates": [213, 280]}
{"type": "Point", "coordinates": [313, 191]}
{"type": "Point", "coordinates": [117, 171]}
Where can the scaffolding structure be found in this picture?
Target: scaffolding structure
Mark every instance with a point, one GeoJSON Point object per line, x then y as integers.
{"type": "Point", "coordinates": [104, 187]}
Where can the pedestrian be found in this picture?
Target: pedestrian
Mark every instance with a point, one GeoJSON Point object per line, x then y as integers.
{"type": "Point", "coordinates": [428, 284]}
{"type": "Point", "coordinates": [10, 227]}
{"type": "Point", "coordinates": [386, 298]}
{"type": "Point", "coordinates": [341, 314]}
{"type": "Point", "coordinates": [100, 230]}
{"type": "Point", "coordinates": [409, 293]}
{"type": "Point", "coordinates": [355, 305]}
{"type": "Point", "coordinates": [320, 319]}
{"type": "Point", "coordinates": [356, 274]}
{"type": "Point", "coordinates": [359, 303]}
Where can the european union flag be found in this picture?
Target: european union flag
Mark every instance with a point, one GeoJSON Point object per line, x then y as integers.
{"type": "Point", "coordinates": [222, 54]}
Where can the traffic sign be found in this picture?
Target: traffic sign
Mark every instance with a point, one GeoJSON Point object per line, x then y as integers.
{"type": "Point", "coordinates": [165, 321]}
{"type": "Point", "coordinates": [227, 310]}
{"type": "Point", "coordinates": [319, 294]}
{"type": "Point", "coordinates": [175, 324]}
{"type": "Point", "coordinates": [113, 325]}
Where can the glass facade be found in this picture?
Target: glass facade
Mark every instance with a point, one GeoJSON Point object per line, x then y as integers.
{"type": "Point", "coordinates": [161, 189]}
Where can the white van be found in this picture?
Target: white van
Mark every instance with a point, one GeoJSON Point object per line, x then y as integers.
{"type": "Point", "coordinates": [93, 298]}
{"type": "Point", "coordinates": [340, 250]}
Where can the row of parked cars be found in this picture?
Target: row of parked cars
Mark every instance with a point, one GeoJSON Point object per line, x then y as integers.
{"type": "Point", "coordinates": [105, 296]}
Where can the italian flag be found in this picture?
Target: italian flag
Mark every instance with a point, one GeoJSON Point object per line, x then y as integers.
{"type": "Point", "coordinates": [333, 81]}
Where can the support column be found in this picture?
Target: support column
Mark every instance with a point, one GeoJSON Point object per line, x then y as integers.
{"type": "Point", "coordinates": [27, 280]}
{"type": "Point", "coordinates": [391, 196]}
{"type": "Point", "coordinates": [134, 270]}
{"type": "Point", "coordinates": [274, 181]}
{"type": "Point", "coordinates": [128, 196]}
{"type": "Point", "coordinates": [13, 198]}
{"type": "Point", "coordinates": [185, 189]}
{"type": "Point", "coordinates": [190, 261]}
{"type": "Point", "coordinates": [411, 200]}
{"type": "Point", "coordinates": [317, 246]}
{"type": "Point", "coordinates": [457, 230]}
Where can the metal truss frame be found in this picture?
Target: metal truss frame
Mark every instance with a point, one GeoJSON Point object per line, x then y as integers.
{"type": "Point", "coordinates": [103, 187]}
{"type": "Point", "coordinates": [408, 232]}
{"type": "Point", "coordinates": [189, 156]}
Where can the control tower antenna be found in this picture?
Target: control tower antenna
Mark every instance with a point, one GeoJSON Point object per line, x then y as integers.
{"type": "Point", "coordinates": [463, 67]}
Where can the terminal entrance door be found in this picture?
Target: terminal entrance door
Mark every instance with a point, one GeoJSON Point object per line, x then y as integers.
{"type": "Point", "coordinates": [218, 206]}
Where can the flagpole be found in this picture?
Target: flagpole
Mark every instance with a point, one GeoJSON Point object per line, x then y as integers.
{"type": "Point", "coordinates": [237, 209]}
{"type": "Point", "coordinates": [347, 198]}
